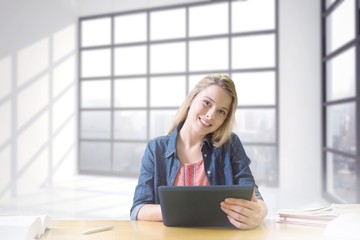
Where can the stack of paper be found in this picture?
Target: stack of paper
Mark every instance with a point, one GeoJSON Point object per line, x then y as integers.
{"type": "Point", "coordinates": [316, 216]}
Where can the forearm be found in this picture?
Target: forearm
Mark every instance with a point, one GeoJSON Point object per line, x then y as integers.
{"type": "Point", "coordinates": [150, 212]}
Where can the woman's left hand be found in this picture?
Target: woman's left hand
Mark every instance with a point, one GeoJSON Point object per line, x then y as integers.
{"type": "Point", "coordinates": [244, 214]}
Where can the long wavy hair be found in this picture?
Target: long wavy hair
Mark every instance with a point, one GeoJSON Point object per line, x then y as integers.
{"type": "Point", "coordinates": [222, 134]}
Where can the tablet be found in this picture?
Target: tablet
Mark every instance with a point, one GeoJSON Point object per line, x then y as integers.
{"type": "Point", "coordinates": [195, 206]}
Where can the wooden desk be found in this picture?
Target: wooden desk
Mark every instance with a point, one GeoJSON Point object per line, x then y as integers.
{"type": "Point", "coordinates": [138, 230]}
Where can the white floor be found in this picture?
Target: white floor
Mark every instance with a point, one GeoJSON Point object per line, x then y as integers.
{"type": "Point", "coordinates": [83, 197]}
{"type": "Point", "coordinates": [95, 197]}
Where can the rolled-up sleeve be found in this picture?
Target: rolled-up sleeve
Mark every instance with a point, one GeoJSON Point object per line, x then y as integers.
{"type": "Point", "coordinates": [144, 191]}
{"type": "Point", "coordinates": [241, 165]}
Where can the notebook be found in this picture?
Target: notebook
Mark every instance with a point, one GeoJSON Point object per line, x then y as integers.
{"type": "Point", "coordinates": [317, 216]}
{"type": "Point", "coordinates": [195, 206]}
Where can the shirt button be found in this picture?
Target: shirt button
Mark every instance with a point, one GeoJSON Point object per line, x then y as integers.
{"type": "Point", "coordinates": [208, 172]}
{"type": "Point", "coordinates": [205, 155]}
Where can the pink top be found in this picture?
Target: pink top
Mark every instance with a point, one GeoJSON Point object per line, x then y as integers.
{"type": "Point", "coordinates": [191, 175]}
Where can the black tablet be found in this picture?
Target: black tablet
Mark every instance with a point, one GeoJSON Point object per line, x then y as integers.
{"type": "Point", "coordinates": [195, 206]}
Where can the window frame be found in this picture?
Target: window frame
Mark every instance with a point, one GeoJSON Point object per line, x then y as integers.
{"type": "Point", "coordinates": [326, 11]}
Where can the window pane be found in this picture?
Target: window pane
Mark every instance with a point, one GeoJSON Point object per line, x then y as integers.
{"type": "Point", "coordinates": [160, 121]}
{"type": "Point", "coordinates": [253, 15]}
{"type": "Point", "coordinates": [194, 79]}
{"type": "Point", "coordinates": [167, 58]}
{"type": "Point", "coordinates": [130, 60]}
{"type": "Point", "coordinates": [341, 177]}
{"type": "Point", "coordinates": [167, 91]}
{"type": "Point", "coordinates": [209, 19]}
{"type": "Point", "coordinates": [249, 92]}
{"type": "Point", "coordinates": [209, 55]}
{"type": "Point", "coordinates": [96, 63]}
{"type": "Point", "coordinates": [130, 125]}
{"type": "Point", "coordinates": [130, 28]}
{"type": "Point", "coordinates": [95, 156]}
{"type": "Point", "coordinates": [167, 24]}
{"type": "Point", "coordinates": [95, 94]}
{"type": "Point", "coordinates": [263, 163]}
{"type": "Point", "coordinates": [96, 32]}
{"type": "Point", "coordinates": [256, 125]}
{"type": "Point", "coordinates": [127, 157]}
{"type": "Point", "coordinates": [253, 51]}
{"type": "Point", "coordinates": [329, 2]}
{"type": "Point", "coordinates": [340, 76]}
{"type": "Point", "coordinates": [95, 124]}
{"type": "Point", "coordinates": [130, 92]}
{"type": "Point", "coordinates": [341, 127]}
{"type": "Point", "coordinates": [340, 26]}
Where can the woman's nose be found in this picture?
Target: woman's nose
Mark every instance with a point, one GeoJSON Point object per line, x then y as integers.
{"type": "Point", "coordinates": [210, 114]}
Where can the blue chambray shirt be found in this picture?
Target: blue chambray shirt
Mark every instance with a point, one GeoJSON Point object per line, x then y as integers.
{"type": "Point", "coordinates": [227, 165]}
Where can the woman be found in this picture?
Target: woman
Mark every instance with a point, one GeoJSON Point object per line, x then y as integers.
{"type": "Point", "coordinates": [201, 149]}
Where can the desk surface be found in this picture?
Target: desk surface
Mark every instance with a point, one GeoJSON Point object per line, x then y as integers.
{"type": "Point", "coordinates": [270, 230]}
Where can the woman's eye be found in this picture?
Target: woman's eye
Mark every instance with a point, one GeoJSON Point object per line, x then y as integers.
{"type": "Point", "coordinates": [222, 112]}
{"type": "Point", "coordinates": [207, 103]}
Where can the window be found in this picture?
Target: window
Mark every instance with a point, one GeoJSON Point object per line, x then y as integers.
{"type": "Point", "coordinates": [341, 100]}
{"type": "Point", "coordinates": [128, 58]}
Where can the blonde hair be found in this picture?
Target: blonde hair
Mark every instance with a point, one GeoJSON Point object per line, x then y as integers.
{"type": "Point", "coordinates": [222, 134]}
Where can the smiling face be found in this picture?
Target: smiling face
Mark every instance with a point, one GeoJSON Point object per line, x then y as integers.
{"type": "Point", "coordinates": [209, 109]}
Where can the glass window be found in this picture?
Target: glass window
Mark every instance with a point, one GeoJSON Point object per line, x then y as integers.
{"type": "Point", "coordinates": [95, 156]}
{"type": "Point", "coordinates": [96, 32]}
{"type": "Point", "coordinates": [96, 63]}
{"type": "Point", "coordinates": [131, 28]}
{"type": "Point", "coordinates": [130, 125]}
{"type": "Point", "coordinates": [127, 157]}
{"type": "Point", "coordinates": [194, 79]}
{"type": "Point", "coordinates": [137, 72]}
{"type": "Point", "coordinates": [341, 127]}
{"type": "Point", "coordinates": [253, 15]}
{"type": "Point", "coordinates": [95, 124]}
{"type": "Point", "coordinates": [340, 100]}
{"type": "Point", "coordinates": [168, 57]}
{"type": "Point", "coordinates": [160, 121]}
{"type": "Point", "coordinates": [341, 74]}
{"type": "Point", "coordinates": [329, 2]}
{"type": "Point", "coordinates": [263, 164]}
{"type": "Point", "coordinates": [167, 91]}
{"type": "Point", "coordinates": [95, 94]}
{"type": "Point", "coordinates": [253, 51]}
{"type": "Point", "coordinates": [130, 60]}
{"type": "Point", "coordinates": [341, 178]}
{"type": "Point", "coordinates": [168, 24]}
{"type": "Point", "coordinates": [209, 19]}
{"type": "Point", "coordinates": [256, 125]}
{"type": "Point", "coordinates": [340, 26]}
{"type": "Point", "coordinates": [209, 55]}
{"type": "Point", "coordinates": [130, 92]}
{"type": "Point", "coordinates": [249, 92]}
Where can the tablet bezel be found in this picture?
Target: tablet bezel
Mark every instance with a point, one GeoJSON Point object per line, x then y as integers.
{"type": "Point", "coordinates": [198, 206]}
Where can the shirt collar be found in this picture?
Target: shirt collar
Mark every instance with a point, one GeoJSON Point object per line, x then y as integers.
{"type": "Point", "coordinates": [172, 142]}
{"type": "Point", "coordinates": [173, 137]}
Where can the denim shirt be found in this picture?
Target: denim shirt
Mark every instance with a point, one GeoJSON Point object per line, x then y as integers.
{"type": "Point", "coordinates": [226, 165]}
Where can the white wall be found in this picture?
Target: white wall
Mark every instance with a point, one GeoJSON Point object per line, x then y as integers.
{"type": "Point", "coordinates": [94, 7]}
{"type": "Point", "coordinates": [300, 102]}
{"type": "Point", "coordinates": [37, 94]}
